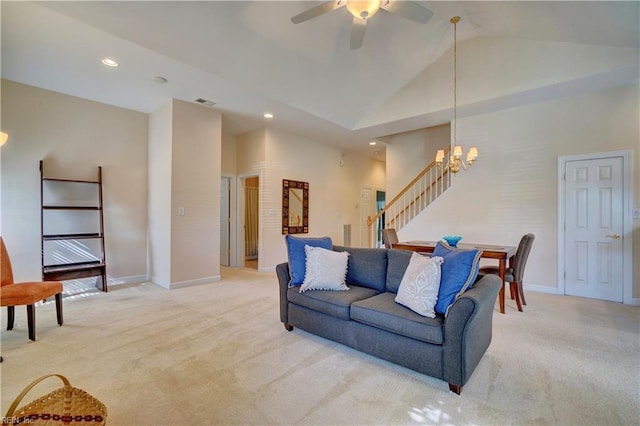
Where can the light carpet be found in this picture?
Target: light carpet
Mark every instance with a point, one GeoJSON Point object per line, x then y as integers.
{"type": "Point", "coordinates": [218, 354]}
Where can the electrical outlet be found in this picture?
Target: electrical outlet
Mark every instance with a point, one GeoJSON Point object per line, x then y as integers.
{"type": "Point", "coordinates": [180, 211]}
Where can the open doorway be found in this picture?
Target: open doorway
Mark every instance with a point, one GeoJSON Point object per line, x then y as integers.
{"type": "Point", "coordinates": [251, 221]}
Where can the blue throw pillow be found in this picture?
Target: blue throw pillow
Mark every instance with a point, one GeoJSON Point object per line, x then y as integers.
{"type": "Point", "coordinates": [459, 271]}
{"type": "Point", "coordinates": [298, 258]}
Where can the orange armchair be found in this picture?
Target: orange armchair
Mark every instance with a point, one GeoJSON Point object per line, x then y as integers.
{"type": "Point", "coordinates": [14, 294]}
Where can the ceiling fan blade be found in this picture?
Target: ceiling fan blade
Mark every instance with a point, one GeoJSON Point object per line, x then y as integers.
{"type": "Point", "coordinates": [409, 10]}
{"type": "Point", "coordinates": [358, 29]}
{"type": "Point", "coordinates": [317, 11]}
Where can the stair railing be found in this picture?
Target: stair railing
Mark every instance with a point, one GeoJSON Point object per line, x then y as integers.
{"type": "Point", "coordinates": [425, 188]}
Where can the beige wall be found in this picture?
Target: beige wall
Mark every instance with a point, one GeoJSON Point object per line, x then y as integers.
{"type": "Point", "coordinates": [250, 152]}
{"type": "Point", "coordinates": [334, 190]}
{"type": "Point", "coordinates": [512, 189]}
{"type": "Point", "coordinates": [414, 150]}
{"type": "Point", "coordinates": [229, 153]}
{"type": "Point", "coordinates": [195, 187]}
{"type": "Point", "coordinates": [73, 136]}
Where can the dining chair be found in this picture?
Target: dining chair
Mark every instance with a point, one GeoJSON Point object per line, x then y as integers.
{"type": "Point", "coordinates": [389, 237]}
{"type": "Point", "coordinates": [515, 272]}
{"type": "Point", "coordinates": [27, 293]}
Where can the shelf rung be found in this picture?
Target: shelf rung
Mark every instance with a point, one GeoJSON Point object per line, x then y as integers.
{"type": "Point", "coordinates": [70, 180]}
{"type": "Point", "coordinates": [73, 266]}
{"type": "Point", "coordinates": [71, 207]}
{"type": "Point", "coordinates": [54, 237]}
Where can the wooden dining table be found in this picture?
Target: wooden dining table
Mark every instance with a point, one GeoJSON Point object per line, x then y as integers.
{"type": "Point", "coordinates": [502, 254]}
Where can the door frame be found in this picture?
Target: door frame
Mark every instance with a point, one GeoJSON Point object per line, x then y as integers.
{"type": "Point", "coordinates": [240, 212]}
{"type": "Point", "coordinates": [233, 217]}
{"type": "Point", "coordinates": [627, 218]}
{"type": "Point", "coordinates": [362, 216]}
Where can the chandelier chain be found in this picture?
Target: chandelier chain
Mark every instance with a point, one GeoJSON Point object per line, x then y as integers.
{"type": "Point", "coordinates": [455, 161]}
{"type": "Point", "coordinates": [455, 86]}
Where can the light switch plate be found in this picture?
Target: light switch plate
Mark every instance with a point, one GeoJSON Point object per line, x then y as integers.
{"type": "Point", "coordinates": [636, 213]}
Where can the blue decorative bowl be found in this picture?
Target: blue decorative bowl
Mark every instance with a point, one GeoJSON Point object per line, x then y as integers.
{"type": "Point", "coordinates": [452, 240]}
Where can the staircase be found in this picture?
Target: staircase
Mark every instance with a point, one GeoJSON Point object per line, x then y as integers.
{"type": "Point", "coordinates": [425, 188]}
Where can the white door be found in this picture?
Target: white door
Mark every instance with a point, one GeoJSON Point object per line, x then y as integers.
{"type": "Point", "coordinates": [594, 228]}
{"type": "Point", "coordinates": [225, 220]}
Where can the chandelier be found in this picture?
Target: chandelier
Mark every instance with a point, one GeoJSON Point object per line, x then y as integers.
{"type": "Point", "coordinates": [455, 162]}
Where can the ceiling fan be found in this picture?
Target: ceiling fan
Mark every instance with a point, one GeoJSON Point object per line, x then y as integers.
{"type": "Point", "coordinates": [363, 10]}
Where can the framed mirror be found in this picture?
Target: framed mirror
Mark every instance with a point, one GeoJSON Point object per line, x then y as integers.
{"type": "Point", "coordinates": [295, 207]}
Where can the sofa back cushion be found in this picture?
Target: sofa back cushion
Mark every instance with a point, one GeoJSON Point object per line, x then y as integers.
{"type": "Point", "coordinates": [397, 265]}
{"type": "Point", "coordinates": [367, 267]}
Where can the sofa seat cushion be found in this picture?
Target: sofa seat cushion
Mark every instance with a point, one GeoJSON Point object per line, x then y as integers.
{"type": "Point", "coordinates": [383, 312]}
{"type": "Point", "coordinates": [334, 303]}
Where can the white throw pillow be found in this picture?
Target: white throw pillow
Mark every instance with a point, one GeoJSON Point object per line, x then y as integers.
{"type": "Point", "coordinates": [326, 269]}
{"type": "Point", "coordinates": [419, 287]}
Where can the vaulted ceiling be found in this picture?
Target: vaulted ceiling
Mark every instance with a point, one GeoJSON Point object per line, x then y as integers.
{"type": "Point", "coordinates": [249, 58]}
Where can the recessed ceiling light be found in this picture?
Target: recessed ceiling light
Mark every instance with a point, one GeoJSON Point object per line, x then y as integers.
{"type": "Point", "coordinates": [372, 143]}
{"type": "Point", "coordinates": [110, 62]}
{"type": "Point", "coordinates": [268, 115]}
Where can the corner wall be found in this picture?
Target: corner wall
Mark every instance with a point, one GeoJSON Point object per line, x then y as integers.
{"type": "Point", "coordinates": [159, 202]}
{"type": "Point", "coordinates": [73, 136]}
{"type": "Point", "coordinates": [195, 192]}
{"type": "Point", "coordinates": [185, 147]}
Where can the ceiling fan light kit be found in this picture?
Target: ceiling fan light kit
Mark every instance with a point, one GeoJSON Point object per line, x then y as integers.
{"type": "Point", "coordinates": [363, 10]}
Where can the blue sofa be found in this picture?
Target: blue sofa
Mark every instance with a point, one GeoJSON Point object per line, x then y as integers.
{"type": "Point", "coordinates": [368, 319]}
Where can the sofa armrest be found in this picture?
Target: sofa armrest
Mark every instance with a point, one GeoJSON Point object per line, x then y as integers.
{"type": "Point", "coordinates": [468, 328]}
{"type": "Point", "coordinates": [282, 271]}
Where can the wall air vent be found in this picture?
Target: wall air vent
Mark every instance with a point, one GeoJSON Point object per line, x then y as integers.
{"type": "Point", "coordinates": [205, 102]}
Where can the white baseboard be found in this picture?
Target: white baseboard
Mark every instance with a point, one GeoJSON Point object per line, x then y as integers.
{"type": "Point", "coordinates": [633, 302]}
{"type": "Point", "coordinates": [180, 284]}
{"type": "Point", "coordinates": [553, 290]}
{"type": "Point", "coordinates": [540, 288]}
{"type": "Point", "coordinates": [189, 283]}
{"type": "Point", "coordinates": [134, 279]}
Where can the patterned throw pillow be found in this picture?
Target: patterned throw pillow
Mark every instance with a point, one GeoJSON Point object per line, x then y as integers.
{"type": "Point", "coordinates": [419, 287]}
{"type": "Point", "coordinates": [326, 269]}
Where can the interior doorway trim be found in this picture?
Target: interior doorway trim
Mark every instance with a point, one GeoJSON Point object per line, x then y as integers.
{"type": "Point", "coordinates": [627, 218]}
{"type": "Point", "coordinates": [240, 212]}
{"type": "Point", "coordinates": [233, 217]}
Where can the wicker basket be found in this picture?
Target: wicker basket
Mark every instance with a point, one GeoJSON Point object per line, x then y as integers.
{"type": "Point", "coordinates": [64, 406]}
